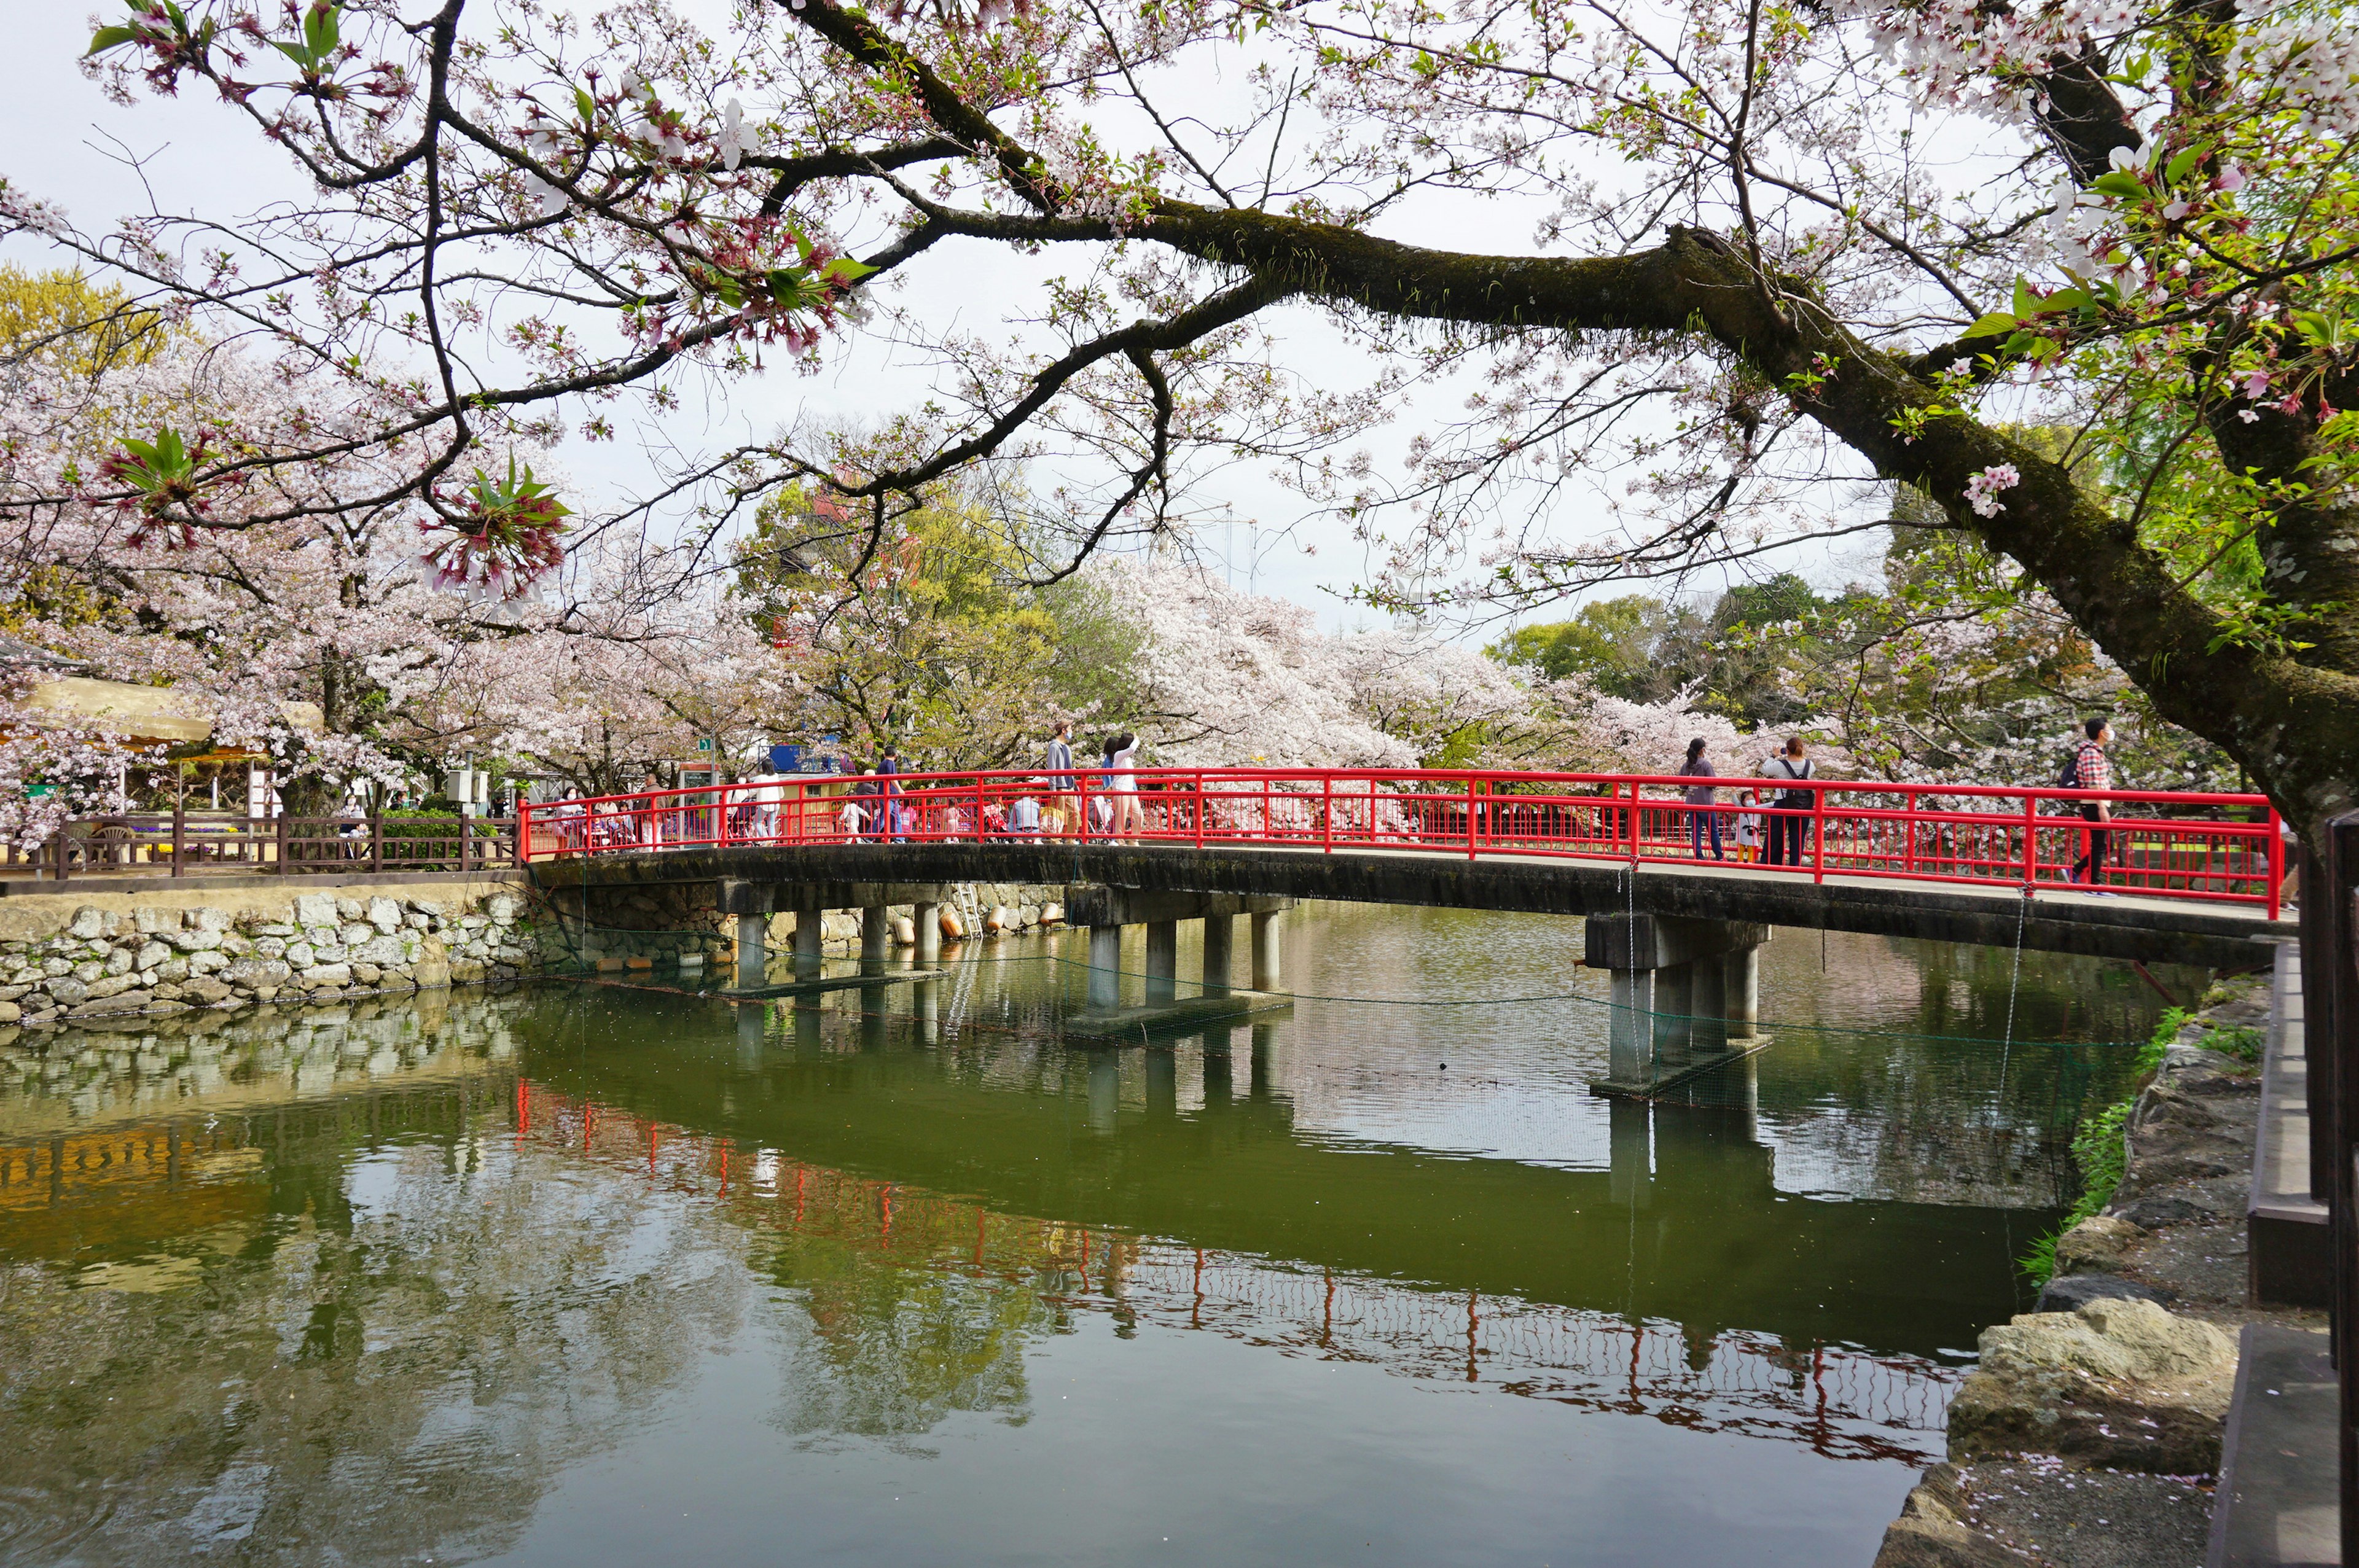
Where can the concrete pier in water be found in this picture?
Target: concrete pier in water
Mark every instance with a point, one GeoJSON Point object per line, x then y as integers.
{"type": "Point", "coordinates": [1685, 995]}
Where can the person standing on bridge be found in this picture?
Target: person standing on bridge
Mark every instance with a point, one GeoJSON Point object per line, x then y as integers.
{"type": "Point", "coordinates": [2092, 769]}
{"type": "Point", "coordinates": [1791, 807]}
{"type": "Point", "coordinates": [1122, 771]}
{"type": "Point", "coordinates": [1700, 766]}
{"type": "Point", "coordinates": [1061, 777]}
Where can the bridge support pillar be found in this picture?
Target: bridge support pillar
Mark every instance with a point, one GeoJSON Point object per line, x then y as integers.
{"type": "Point", "coordinates": [1162, 961]}
{"type": "Point", "coordinates": [1707, 1008]}
{"type": "Point", "coordinates": [1674, 1012]}
{"type": "Point", "coordinates": [751, 903]}
{"type": "Point", "coordinates": [1220, 933]}
{"type": "Point", "coordinates": [753, 949]}
{"type": "Point", "coordinates": [1266, 973]}
{"type": "Point", "coordinates": [1107, 910]}
{"type": "Point", "coordinates": [875, 937]}
{"type": "Point", "coordinates": [1685, 995]}
{"type": "Point", "coordinates": [927, 919]}
{"type": "Point", "coordinates": [810, 933]}
{"type": "Point", "coordinates": [1630, 1039]}
{"type": "Point", "coordinates": [1106, 967]}
{"type": "Point", "coordinates": [1740, 978]}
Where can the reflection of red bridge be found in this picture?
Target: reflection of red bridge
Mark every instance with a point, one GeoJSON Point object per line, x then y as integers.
{"type": "Point", "coordinates": [1843, 1402]}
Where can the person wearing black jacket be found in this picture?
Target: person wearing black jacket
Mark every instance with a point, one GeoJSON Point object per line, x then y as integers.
{"type": "Point", "coordinates": [1791, 809]}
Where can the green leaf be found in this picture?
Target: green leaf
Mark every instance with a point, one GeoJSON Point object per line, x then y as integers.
{"type": "Point", "coordinates": [2068, 299]}
{"type": "Point", "coordinates": [2126, 186]}
{"type": "Point", "coordinates": [2026, 303]}
{"type": "Point", "coordinates": [109, 38]}
{"type": "Point", "coordinates": [2176, 171]}
{"type": "Point", "coordinates": [1997, 321]}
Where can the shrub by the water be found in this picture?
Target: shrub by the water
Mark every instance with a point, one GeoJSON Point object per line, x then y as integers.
{"type": "Point", "coordinates": [2100, 1150]}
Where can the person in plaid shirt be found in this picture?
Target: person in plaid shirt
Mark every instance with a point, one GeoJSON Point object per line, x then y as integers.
{"type": "Point", "coordinates": [2092, 770]}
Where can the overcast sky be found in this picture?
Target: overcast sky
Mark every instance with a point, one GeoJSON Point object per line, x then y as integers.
{"type": "Point", "coordinates": [68, 144]}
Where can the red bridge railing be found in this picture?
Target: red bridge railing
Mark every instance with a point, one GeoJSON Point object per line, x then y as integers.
{"type": "Point", "coordinates": [2220, 847]}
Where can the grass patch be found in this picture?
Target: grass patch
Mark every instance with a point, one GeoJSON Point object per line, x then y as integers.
{"type": "Point", "coordinates": [2243, 1043]}
{"type": "Point", "coordinates": [2099, 1151]}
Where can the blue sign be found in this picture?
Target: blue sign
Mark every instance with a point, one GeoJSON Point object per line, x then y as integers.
{"type": "Point", "coordinates": [786, 759]}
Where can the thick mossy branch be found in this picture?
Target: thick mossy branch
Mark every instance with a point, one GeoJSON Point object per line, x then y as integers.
{"type": "Point", "coordinates": [2293, 724]}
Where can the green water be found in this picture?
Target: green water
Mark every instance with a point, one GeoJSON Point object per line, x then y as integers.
{"type": "Point", "coordinates": [581, 1273]}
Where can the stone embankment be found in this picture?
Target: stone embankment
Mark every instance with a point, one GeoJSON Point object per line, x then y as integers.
{"type": "Point", "coordinates": [2089, 1435]}
{"type": "Point", "coordinates": [317, 947]}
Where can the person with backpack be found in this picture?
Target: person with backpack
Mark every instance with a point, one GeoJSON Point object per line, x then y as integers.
{"type": "Point", "coordinates": [2091, 769]}
{"type": "Point", "coordinates": [1791, 806]}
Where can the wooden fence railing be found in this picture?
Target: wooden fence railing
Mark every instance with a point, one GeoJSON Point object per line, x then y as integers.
{"type": "Point", "coordinates": [270, 846]}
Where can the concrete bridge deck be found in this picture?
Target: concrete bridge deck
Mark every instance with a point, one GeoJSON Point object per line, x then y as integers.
{"type": "Point", "coordinates": [2059, 919]}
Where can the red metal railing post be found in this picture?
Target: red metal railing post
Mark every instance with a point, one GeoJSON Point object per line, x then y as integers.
{"type": "Point", "coordinates": [1908, 826]}
{"type": "Point", "coordinates": [2030, 843]}
{"type": "Point", "coordinates": [1199, 808]}
{"type": "Point", "coordinates": [1081, 808]}
{"type": "Point", "coordinates": [1818, 835]}
{"type": "Point", "coordinates": [1470, 816]}
{"type": "Point", "coordinates": [2276, 861]}
{"type": "Point", "coordinates": [1327, 817]}
{"type": "Point", "coordinates": [1630, 822]}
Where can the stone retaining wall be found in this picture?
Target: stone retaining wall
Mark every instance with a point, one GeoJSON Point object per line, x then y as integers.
{"type": "Point", "coordinates": [316, 946]}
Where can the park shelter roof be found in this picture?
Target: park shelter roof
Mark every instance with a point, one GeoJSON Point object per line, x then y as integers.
{"type": "Point", "coordinates": [155, 714]}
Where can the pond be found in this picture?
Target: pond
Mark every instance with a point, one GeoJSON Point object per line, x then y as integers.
{"type": "Point", "coordinates": [599, 1274]}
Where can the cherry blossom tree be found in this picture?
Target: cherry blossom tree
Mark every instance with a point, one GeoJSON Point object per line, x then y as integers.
{"type": "Point", "coordinates": [1229, 678]}
{"type": "Point", "coordinates": [283, 584]}
{"type": "Point", "coordinates": [1778, 252]}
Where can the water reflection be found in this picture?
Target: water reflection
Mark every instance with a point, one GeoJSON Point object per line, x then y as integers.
{"type": "Point", "coordinates": [467, 1278]}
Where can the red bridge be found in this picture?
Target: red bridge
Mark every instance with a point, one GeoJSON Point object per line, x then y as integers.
{"type": "Point", "coordinates": [2158, 845]}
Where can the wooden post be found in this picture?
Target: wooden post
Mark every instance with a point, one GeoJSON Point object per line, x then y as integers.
{"type": "Point", "coordinates": [179, 827]}
{"type": "Point", "coordinates": [279, 835]}
{"type": "Point", "coordinates": [376, 839]}
{"type": "Point", "coordinates": [466, 837]}
{"type": "Point", "coordinates": [2331, 1015]}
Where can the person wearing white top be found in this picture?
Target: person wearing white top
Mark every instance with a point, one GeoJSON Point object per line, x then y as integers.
{"type": "Point", "coordinates": [1122, 768]}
